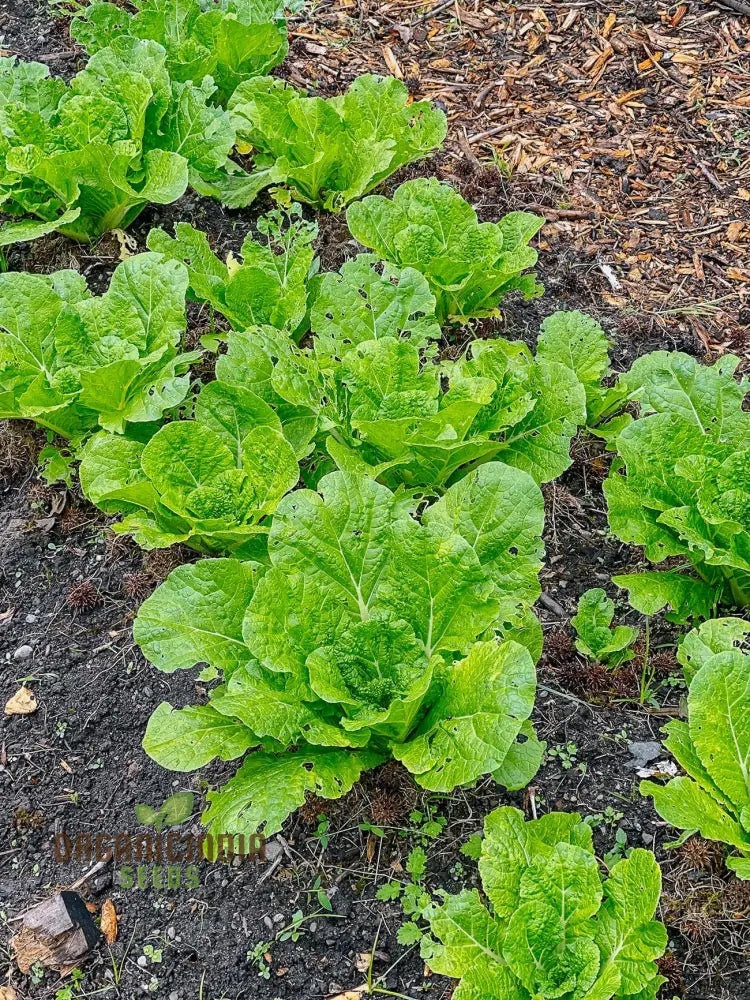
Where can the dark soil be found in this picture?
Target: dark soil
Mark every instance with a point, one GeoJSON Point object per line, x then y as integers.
{"type": "Point", "coordinates": [69, 590]}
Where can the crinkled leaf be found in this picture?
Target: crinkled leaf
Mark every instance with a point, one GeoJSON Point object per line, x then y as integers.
{"type": "Point", "coordinates": [188, 738]}
{"type": "Point", "coordinates": [329, 152]}
{"type": "Point", "coordinates": [475, 721]}
{"type": "Point", "coordinates": [196, 616]}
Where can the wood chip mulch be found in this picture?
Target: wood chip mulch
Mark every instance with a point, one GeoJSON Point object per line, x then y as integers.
{"type": "Point", "coordinates": [627, 124]}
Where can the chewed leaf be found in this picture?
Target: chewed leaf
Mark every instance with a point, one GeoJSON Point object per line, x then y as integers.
{"type": "Point", "coordinates": [683, 595]}
{"type": "Point", "coordinates": [717, 635]}
{"type": "Point", "coordinates": [188, 738]}
{"type": "Point", "coordinates": [578, 342]}
{"type": "Point", "coordinates": [268, 787]}
{"type": "Point", "coordinates": [360, 304]}
{"type": "Point", "coordinates": [499, 511]}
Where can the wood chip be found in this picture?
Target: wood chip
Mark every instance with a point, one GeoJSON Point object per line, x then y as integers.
{"type": "Point", "coordinates": [109, 921]}
{"type": "Point", "coordinates": [391, 62]}
{"type": "Point", "coordinates": [23, 702]}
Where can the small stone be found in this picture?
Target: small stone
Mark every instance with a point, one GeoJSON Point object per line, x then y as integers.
{"type": "Point", "coordinates": [268, 922]}
{"type": "Point", "coordinates": [647, 838]}
{"type": "Point", "coordinates": [142, 961]}
{"type": "Point", "coordinates": [278, 918]}
{"type": "Point", "coordinates": [174, 995]}
{"type": "Point", "coordinates": [273, 850]}
{"type": "Point", "coordinates": [644, 753]}
{"type": "Point", "coordinates": [171, 933]}
{"type": "Point", "coordinates": [23, 653]}
{"type": "Point", "coordinates": [31, 619]}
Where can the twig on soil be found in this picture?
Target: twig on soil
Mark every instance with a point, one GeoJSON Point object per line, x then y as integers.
{"type": "Point", "coordinates": [564, 694]}
{"type": "Point", "coordinates": [551, 605]}
{"type": "Point", "coordinates": [91, 872]}
{"type": "Point", "coordinates": [270, 870]}
{"type": "Point", "coordinates": [736, 5]}
{"type": "Point", "coordinates": [52, 56]}
{"type": "Point", "coordinates": [431, 13]}
{"type": "Point", "coordinates": [710, 177]}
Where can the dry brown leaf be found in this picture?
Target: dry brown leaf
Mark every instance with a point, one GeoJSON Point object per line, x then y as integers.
{"type": "Point", "coordinates": [23, 702]}
{"type": "Point", "coordinates": [7, 993]}
{"type": "Point", "coordinates": [109, 921]}
{"type": "Point", "coordinates": [5, 616]}
{"type": "Point", "coordinates": [352, 994]}
{"type": "Point", "coordinates": [362, 961]}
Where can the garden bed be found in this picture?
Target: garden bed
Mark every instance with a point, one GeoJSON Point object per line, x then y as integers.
{"type": "Point", "coordinates": [624, 124]}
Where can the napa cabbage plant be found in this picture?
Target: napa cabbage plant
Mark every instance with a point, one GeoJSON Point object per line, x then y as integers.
{"type": "Point", "coordinates": [549, 926]}
{"type": "Point", "coordinates": [230, 42]}
{"type": "Point", "coordinates": [596, 637]}
{"type": "Point", "coordinates": [681, 484]}
{"type": "Point", "coordinates": [210, 482]}
{"type": "Point", "coordinates": [385, 406]}
{"type": "Point", "coordinates": [87, 157]}
{"type": "Point", "coordinates": [267, 285]}
{"type": "Point", "coordinates": [367, 635]}
{"type": "Point", "coordinates": [576, 340]}
{"type": "Point", "coordinates": [327, 152]}
{"type": "Point", "coordinates": [74, 362]}
{"type": "Point", "coordinates": [470, 266]}
{"type": "Point", "coordinates": [713, 746]}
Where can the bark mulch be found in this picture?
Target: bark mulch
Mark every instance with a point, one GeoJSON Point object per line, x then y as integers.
{"type": "Point", "coordinates": [626, 124]}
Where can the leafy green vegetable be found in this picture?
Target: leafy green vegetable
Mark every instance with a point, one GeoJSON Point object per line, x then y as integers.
{"type": "Point", "coordinates": [682, 486]}
{"type": "Point", "coordinates": [71, 361]}
{"type": "Point", "coordinates": [330, 151]}
{"type": "Point", "coordinates": [367, 302]}
{"type": "Point", "coordinates": [370, 635]}
{"type": "Point", "coordinates": [210, 482]}
{"type": "Point", "coordinates": [713, 746]}
{"type": "Point", "coordinates": [596, 638]}
{"type": "Point", "coordinates": [718, 635]}
{"type": "Point", "coordinates": [469, 265]}
{"type": "Point", "coordinates": [382, 406]}
{"type": "Point", "coordinates": [88, 157]}
{"type": "Point", "coordinates": [578, 342]}
{"type": "Point", "coordinates": [555, 929]}
{"type": "Point", "coordinates": [230, 42]}
{"type": "Point", "coordinates": [269, 285]}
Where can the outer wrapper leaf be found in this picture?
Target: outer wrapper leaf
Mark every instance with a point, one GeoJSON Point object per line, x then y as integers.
{"type": "Point", "coordinates": [269, 787]}
{"type": "Point", "coordinates": [188, 738]}
{"type": "Point", "coordinates": [196, 616]}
